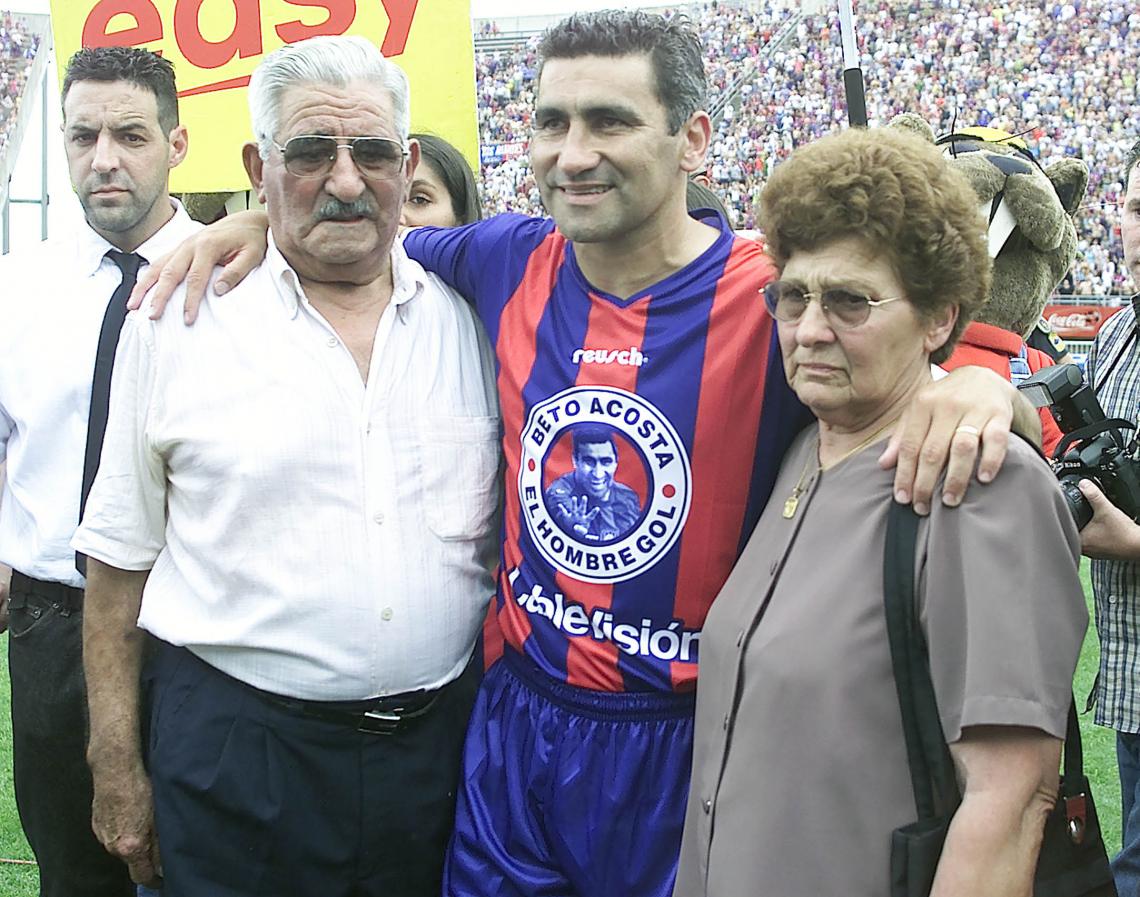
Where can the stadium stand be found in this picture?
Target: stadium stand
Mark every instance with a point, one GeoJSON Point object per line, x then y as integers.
{"type": "Point", "coordinates": [20, 40]}
{"type": "Point", "coordinates": [18, 46]}
{"type": "Point", "coordinates": [1062, 72]}
{"type": "Point", "coordinates": [1056, 70]}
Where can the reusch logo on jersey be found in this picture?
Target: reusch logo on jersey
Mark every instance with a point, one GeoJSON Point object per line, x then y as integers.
{"type": "Point", "coordinates": [631, 356]}
{"type": "Point", "coordinates": [604, 481]}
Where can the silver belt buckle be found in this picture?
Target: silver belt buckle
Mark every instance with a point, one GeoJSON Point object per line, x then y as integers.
{"type": "Point", "coordinates": [379, 722]}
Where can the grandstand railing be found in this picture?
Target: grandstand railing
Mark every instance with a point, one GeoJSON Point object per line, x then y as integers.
{"type": "Point", "coordinates": [513, 31]}
{"type": "Point", "coordinates": [1096, 299]}
{"type": "Point", "coordinates": [501, 41]}
{"type": "Point", "coordinates": [730, 93]}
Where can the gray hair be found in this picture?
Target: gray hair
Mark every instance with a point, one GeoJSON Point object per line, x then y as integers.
{"type": "Point", "coordinates": [335, 60]}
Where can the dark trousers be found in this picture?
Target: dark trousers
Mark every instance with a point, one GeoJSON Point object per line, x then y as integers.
{"type": "Point", "coordinates": [1126, 865]}
{"type": "Point", "coordinates": [49, 743]}
{"type": "Point", "coordinates": [252, 798]}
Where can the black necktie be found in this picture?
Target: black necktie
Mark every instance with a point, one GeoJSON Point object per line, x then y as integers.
{"type": "Point", "coordinates": [113, 318]}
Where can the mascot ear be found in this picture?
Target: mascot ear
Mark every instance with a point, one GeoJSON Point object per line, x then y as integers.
{"type": "Point", "coordinates": [1070, 179]}
{"type": "Point", "coordinates": [916, 124]}
{"type": "Point", "coordinates": [1036, 210]}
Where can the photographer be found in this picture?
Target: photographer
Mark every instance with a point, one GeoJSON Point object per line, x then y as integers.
{"type": "Point", "coordinates": [1113, 540]}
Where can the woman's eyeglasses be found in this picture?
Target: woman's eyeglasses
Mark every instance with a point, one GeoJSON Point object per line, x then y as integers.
{"type": "Point", "coordinates": [312, 156]}
{"type": "Point", "coordinates": [845, 309]}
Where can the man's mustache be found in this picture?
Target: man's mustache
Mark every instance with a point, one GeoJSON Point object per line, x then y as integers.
{"type": "Point", "coordinates": [337, 210]}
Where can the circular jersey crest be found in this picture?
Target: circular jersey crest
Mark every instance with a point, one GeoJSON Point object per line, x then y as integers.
{"type": "Point", "coordinates": [604, 481]}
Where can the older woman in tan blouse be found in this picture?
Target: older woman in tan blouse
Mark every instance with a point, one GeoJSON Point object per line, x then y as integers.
{"type": "Point", "coordinates": [800, 769]}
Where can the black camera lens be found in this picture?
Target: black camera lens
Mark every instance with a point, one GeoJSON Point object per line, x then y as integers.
{"type": "Point", "coordinates": [1078, 505]}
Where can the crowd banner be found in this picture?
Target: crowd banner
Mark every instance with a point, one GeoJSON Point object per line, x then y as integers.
{"type": "Point", "coordinates": [497, 153]}
{"type": "Point", "coordinates": [1078, 322]}
{"type": "Point", "coordinates": [216, 44]}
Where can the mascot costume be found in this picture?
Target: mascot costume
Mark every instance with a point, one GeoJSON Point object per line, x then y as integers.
{"type": "Point", "coordinates": [1032, 243]}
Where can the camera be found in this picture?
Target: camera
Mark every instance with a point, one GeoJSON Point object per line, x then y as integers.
{"type": "Point", "coordinates": [1093, 448]}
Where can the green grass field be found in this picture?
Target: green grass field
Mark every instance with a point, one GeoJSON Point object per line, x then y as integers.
{"type": "Point", "coordinates": [18, 880]}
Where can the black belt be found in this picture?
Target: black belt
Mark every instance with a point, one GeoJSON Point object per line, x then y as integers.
{"type": "Point", "coordinates": [377, 716]}
{"type": "Point", "coordinates": [67, 598]}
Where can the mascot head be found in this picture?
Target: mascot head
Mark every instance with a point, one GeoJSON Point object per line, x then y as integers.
{"type": "Point", "coordinates": [1030, 210]}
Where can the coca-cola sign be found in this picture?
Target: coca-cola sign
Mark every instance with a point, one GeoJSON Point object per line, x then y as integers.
{"type": "Point", "coordinates": [1079, 322]}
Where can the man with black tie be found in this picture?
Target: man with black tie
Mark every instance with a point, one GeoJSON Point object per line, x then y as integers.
{"type": "Point", "coordinates": [60, 311]}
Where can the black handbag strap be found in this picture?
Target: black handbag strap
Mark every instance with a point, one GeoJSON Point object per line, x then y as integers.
{"type": "Point", "coordinates": [931, 766]}
{"type": "Point", "coordinates": [1073, 765]}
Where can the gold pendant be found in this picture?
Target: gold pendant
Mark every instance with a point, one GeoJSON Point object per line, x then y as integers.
{"type": "Point", "coordinates": [790, 504]}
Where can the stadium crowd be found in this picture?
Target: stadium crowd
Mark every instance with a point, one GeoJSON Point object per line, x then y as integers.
{"type": "Point", "coordinates": [1058, 71]}
{"type": "Point", "coordinates": [17, 50]}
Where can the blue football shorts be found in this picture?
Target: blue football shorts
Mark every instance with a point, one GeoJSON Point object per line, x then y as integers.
{"type": "Point", "coordinates": [567, 791]}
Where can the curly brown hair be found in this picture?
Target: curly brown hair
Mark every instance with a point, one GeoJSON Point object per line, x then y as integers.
{"type": "Point", "coordinates": [894, 190]}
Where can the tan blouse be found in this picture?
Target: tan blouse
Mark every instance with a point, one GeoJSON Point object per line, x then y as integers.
{"type": "Point", "coordinates": [799, 768]}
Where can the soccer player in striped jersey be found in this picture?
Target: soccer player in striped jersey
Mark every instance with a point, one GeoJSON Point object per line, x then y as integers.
{"type": "Point", "coordinates": [622, 313]}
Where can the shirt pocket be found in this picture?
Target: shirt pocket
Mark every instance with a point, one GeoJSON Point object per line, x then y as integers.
{"type": "Point", "coordinates": [459, 475]}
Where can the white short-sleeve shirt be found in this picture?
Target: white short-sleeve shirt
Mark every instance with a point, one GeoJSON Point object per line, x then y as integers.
{"type": "Point", "coordinates": [310, 534]}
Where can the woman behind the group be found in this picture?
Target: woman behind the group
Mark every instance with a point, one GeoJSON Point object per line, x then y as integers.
{"type": "Point", "coordinates": [443, 192]}
{"type": "Point", "coordinates": [800, 769]}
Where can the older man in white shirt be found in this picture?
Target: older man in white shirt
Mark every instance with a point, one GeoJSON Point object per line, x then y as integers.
{"type": "Point", "coordinates": [60, 306]}
{"type": "Point", "coordinates": [308, 477]}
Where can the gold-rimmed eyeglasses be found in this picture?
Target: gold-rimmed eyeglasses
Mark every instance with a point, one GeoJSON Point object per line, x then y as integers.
{"type": "Point", "coordinates": [313, 156]}
{"type": "Point", "coordinates": [845, 309]}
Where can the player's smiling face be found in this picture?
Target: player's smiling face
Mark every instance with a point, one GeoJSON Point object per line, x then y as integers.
{"type": "Point", "coordinates": [594, 467]}
{"type": "Point", "coordinates": [601, 150]}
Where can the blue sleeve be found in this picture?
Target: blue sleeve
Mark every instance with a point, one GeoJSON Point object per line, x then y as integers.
{"type": "Point", "coordinates": [484, 261]}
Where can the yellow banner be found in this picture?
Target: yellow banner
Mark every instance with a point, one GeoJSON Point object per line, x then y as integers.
{"type": "Point", "coordinates": [216, 44]}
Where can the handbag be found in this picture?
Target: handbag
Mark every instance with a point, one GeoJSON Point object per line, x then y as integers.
{"type": "Point", "coordinates": [1073, 861]}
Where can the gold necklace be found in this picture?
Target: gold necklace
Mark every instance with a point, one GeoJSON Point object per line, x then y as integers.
{"type": "Point", "coordinates": [792, 502]}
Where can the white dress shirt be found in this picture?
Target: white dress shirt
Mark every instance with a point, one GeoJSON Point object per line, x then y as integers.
{"type": "Point", "coordinates": [52, 301]}
{"type": "Point", "coordinates": [310, 534]}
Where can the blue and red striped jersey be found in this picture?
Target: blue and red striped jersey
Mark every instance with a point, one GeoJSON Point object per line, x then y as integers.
{"type": "Point", "coordinates": [642, 438]}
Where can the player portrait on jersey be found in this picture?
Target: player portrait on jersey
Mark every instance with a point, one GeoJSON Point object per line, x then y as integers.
{"type": "Point", "coordinates": [588, 502]}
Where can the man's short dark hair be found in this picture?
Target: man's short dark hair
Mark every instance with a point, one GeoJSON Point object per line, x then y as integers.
{"type": "Point", "coordinates": [593, 436]}
{"type": "Point", "coordinates": [672, 44]}
{"type": "Point", "coordinates": [139, 67]}
{"type": "Point", "coordinates": [1130, 162]}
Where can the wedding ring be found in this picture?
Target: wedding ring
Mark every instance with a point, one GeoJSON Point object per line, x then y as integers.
{"type": "Point", "coordinates": [966, 428]}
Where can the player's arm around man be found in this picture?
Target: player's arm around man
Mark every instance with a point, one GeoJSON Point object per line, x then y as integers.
{"type": "Point", "coordinates": [958, 424]}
